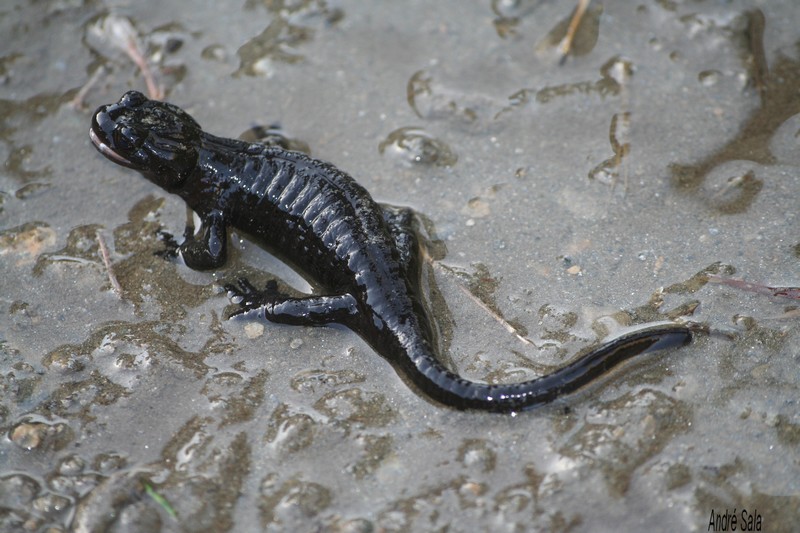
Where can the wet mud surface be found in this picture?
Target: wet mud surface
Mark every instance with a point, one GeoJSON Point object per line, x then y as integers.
{"type": "Point", "coordinates": [651, 173]}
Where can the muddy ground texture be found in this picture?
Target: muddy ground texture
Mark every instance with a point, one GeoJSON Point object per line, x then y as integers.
{"type": "Point", "coordinates": [649, 172]}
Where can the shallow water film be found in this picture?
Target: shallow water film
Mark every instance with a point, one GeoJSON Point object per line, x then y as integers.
{"type": "Point", "coordinates": [579, 167]}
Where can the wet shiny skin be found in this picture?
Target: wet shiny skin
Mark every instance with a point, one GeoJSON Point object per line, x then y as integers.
{"type": "Point", "coordinates": [363, 256]}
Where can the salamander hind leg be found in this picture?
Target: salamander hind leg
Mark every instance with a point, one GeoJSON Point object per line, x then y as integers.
{"type": "Point", "coordinates": [299, 311]}
{"type": "Point", "coordinates": [400, 221]}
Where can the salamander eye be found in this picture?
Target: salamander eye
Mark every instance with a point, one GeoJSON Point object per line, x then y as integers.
{"type": "Point", "coordinates": [133, 99]}
{"type": "Point", "coordinates": [127, 139]}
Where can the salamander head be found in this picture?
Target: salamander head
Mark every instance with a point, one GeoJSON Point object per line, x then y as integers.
{"type": "Point", "coordinates": [158, 139]}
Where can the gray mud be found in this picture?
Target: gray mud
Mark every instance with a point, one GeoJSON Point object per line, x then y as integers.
{"type": "Point", "coordinates": [652, 174]}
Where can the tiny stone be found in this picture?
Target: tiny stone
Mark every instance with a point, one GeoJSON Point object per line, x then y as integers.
{"type": "Point", "coordinates": [28, 436]}
{"type": "Point", "coordinates": [574, 270]}
{"type": "Point", "coordinates": [253, 330]}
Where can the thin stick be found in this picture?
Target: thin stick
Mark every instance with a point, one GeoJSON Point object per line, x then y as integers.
{"type": "Point", "coordinates": [759, 288]}
{"type": "Point", "coordinates": [77, 100]}
{"type": "Point", "coordinates": [569, 37]}
{"type": "Point", "coordinates": [153, 89]}
{"type": "Point", "coordinates": [115, 286]}
{"type": "Point", "coordinates": [502, 321]}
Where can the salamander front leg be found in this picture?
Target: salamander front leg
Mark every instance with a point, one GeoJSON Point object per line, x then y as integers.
{"type": "Point", "coordinates": [304, 311]}
{"type": "Point", "coordinates": [208, 248]}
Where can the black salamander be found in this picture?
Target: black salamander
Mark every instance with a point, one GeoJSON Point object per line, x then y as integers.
{"type": "Point", "coordinates": [363, 256]}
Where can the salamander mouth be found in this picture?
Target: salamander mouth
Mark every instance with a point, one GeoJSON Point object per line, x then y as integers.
{"type": "Point", "coordinates": [106, 150]}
